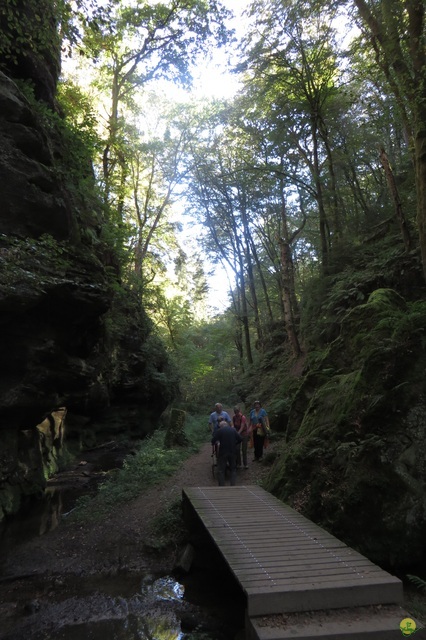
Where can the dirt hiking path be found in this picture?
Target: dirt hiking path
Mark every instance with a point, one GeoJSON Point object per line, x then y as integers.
{"type": "Point", "coordinates": [117, 545]}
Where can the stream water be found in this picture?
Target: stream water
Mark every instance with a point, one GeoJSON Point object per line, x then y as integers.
{"type": "Point", "coordinates": [203, 605]}
{"type": "Point", "coordinates": [157, 608]}
{"type": "Point", "coordinates": [37, 517]}
{"type": "Point", "coordinates": [120, 608]}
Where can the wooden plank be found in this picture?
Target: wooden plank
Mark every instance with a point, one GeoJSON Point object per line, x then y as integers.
{"type": "Point", "coordinates": [325, 595]}
{"type": "Point", "coordinates": [359, 623]}
{"type": "Point", "coordinates": [235, 535]}
{"type": "Point", "coordinates": [265, 528]}
{"type": "Point", "coordinates": [301, 571]}
{"type": "Point", "coordinates": [248, 558]}
{"type": "Point", "coordinates": [343, 555]}
{"type": "Point", "coordinates": [259, 538]}
{"type": "Point", "coordinates": [282, 561]}
{"type": "Point", "coordinates": [265, 584]}
{"type": "Point", "coordinates": [233, 538]}
{"type": "Point", "coordinates": [300, 561]}
{"type": "Point", "coordinates": [305, 570]}
{"type": "Point", "coordinates": [304, 573]}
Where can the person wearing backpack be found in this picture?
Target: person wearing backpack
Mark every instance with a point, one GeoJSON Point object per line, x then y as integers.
{"type": "Point", "coordinates": [239, 422]}
{"type": "Point", "coordinates": [259, 428]}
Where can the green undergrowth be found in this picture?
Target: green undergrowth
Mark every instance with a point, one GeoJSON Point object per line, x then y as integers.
{"type": "Point", "coordinates": [168, 529]}
{"type": "Point", "coordinates": [415, 597]}
{"type": "Point", "coordinates": [150, 466]}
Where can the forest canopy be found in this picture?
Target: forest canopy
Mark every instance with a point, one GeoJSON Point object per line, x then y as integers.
{"type": "Point", "coordinates": [318, 152]}
{"type": "Point", "coordinates": [305, 186]}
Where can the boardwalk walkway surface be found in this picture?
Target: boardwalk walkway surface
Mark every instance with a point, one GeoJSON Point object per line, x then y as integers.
{"type": "Point", "coordinates": [286, 564]}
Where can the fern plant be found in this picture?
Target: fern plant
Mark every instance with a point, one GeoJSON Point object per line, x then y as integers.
{"type": "Point", "coordinates": [418, 582]}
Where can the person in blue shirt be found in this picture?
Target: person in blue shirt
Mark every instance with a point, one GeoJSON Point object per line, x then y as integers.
{"type": "Point", "coordinates": [228, 438]}
{"type": "Point", "coordinates": [218, 415]}
{"type": "Point", "coordinates": [259, 427]}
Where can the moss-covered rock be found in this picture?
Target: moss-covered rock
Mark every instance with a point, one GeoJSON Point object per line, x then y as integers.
{"type": "Point", "coordinates": [355, 461]}
{"type": "Point", "coordinates": [71, 333]}
{"type": "Point", "coordinates": [175, 434]}
{"type": "Point", "coordinates": [21, 468]}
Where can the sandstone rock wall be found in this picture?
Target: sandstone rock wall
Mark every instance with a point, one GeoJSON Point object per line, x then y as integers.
{"type": "Point", "coordinates": [66, 338]}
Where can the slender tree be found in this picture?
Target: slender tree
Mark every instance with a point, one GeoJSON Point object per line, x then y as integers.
{"type": "Point", "coordinates": [134, 44]}
{"type": "Point", "coordinates": [396, 30]}
{"type": "Point", "coordinates": [393, 188]}
{"type": "Point", "coordinates": [292, 55]}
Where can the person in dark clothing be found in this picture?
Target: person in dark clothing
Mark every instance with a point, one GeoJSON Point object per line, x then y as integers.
{"type": "Point", "coordinates": [228, 438]}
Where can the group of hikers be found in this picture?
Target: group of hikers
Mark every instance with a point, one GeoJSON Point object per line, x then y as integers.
{"type": "Point", "coordinates": [231, 438]}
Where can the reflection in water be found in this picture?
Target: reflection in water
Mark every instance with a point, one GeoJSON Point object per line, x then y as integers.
{"type": "Point", "coordinates": [163, 589]}
{"type": "Point", "coordinates": [147, 627]}
{"type": "Point", "coordinates": [158, 626]}
{"type": "Point", "coordinates": [132, 628]}
{"type": "Point", "coordinates": [121, 607]}
{"type": "Point", "coordinates": [147, 615]}
{"type": "Point", "coordinates": [118, 608]}
{"type": "Point", "coordinates": [37, 517]}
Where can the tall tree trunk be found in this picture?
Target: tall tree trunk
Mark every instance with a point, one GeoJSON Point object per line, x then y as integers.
{"type": "Point", "coordinates": [333, 192]}
{"type": "Point", "coordinates": [242, 336]}
{"type": "Point", "coordinates": [252, 286]}
{"type": "Point", "coordinates": [399, 212]}
{"type": "Point", "coordinates": [107, 159]}
{"type": "Point", "coordinates": [390, 26]}
{"type": "Point", "coordinates": [287, 274]}
{"type": "Point", "coordinates": [237, 266]}
{"type": "Point", "coordinates": [420, 166]}
{"type": "Point", "coordinates": [238, 335]}
{"type": "Point", "coordinates": [288, 288]}
{"type": "Point", "coordinates": [323, 223]}
{"type": "Point", "coordinates": [356, 189]}
{"type": "Point", "coordinates": [262, 280]}
{"type": "Point", "coordinates": [244, 315]}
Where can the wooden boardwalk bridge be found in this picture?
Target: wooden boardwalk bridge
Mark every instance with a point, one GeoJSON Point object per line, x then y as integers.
{"type": "Point", "coordinates": [285, 564]}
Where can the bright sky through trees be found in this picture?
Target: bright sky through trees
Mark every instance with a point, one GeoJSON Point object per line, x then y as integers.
{"type": "Point", "coordinates": [214, 79]}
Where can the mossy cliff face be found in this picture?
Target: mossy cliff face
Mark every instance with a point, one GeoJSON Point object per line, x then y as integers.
{"type": "Point", "coordinates": [355, 461]}
{"type": "Point", "coordinates": [70, 335]}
